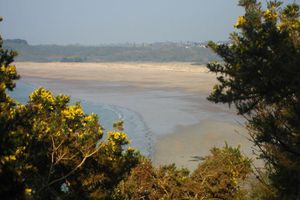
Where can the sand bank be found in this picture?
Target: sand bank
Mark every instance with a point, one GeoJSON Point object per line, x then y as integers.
{"type": "Point", "coordinates": [170, 97]}
{"type": "Point", "coordinates": [187, 143]}
{"type": "Point", "coordinates": [171, 75]}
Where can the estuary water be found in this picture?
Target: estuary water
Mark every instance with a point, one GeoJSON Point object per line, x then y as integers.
{"type": "Point", "coordinates": [137, 130]}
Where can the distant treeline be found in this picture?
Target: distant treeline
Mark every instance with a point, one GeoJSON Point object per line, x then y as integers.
{"type": "Point", "coordinates": [155, 52]}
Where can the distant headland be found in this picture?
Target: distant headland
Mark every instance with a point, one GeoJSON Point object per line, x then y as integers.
{"type": "Point", "coordinates": [193, 52]}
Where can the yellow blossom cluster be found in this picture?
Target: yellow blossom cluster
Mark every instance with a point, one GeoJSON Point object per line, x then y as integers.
{"type": "Point", "coordinates": [270, 14]}
{"type": "Point", "coordinates": [71, 112]}
{"type": "Point", "coordinates": [8, 158]}
{"type": "Point", "coordinates": [8, 74]}
{"type": "Point", "coordinates": [43, 95]}
{"type": "Point", "coordinates": [2, 68]}
{"type": "Point", "coordinates": [235, 176]}
{"type": "Point", "coordinates": [296, 24]}
{"type": "Point", "coordinates": [28, 190]}
{"type": "Point", "coordinates": [2, 86]}
{"type": "Point", "coordinates": [42, 126]}
{"type": "Point", "coordinates": [240, 22]}
{"type": "Point", "coordinates": [130, 149]}
{"type": "Point", "coordinates": [289, 25]}
{"type": "Point", "coordinates": [116, 139]}
{"type": "Point", "coordinates": [20, 150]}
{"type": "Point", "coordinates": [11, 70]}
{"type": "Point", "coordinates": [117, 136]}
{"type": "Point", "coordinates": [14, 156]}
{"type": "Point", "coordinates": [89, 118]}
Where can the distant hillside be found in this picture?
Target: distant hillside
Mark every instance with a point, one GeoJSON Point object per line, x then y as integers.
{"type": "Point", "coordinates": [156, 52]}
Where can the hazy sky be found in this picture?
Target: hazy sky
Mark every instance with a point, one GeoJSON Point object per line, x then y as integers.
{"type": "Point", "coordinates": [94, 22]}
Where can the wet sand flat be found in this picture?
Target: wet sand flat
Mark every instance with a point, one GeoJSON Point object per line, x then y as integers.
{"type": "Point", "coordinates": [189, 143]}
{"type": "Point", "coordinates": [170, 97]}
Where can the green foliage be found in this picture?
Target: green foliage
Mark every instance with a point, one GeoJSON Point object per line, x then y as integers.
{"type": "Point", "coordinates": [260, 75]}
{"type": "Point", "coordinates": [218, 176]}
{"type": "Point", "coordinates": [10, 181]}
{"type": "Point", "coordinates": [221, 173]}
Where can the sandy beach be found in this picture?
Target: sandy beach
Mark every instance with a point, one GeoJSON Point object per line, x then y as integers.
{"type": "Point", "coordinates": [158, 75]}
{"type": "Point", "coordinates": [170, 97]}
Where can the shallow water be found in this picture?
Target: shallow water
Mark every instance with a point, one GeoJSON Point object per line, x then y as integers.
{"type": "Point", "coordinates": [135, 127]}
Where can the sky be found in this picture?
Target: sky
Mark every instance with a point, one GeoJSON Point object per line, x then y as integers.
{"type": "Point", "coordinates": [95, 22]}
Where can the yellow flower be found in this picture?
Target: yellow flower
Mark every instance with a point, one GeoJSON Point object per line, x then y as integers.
{"type": "Point", "coordinates": [12, 157]}
{"type": "Point", "coordinates": [280, 27]}
{"type": "Point", "coordinates": [130, 149]}
{"type": "Point", "coordinates": [11, 69]}
{"type": "Point", "coordinates": [240, 22]}
{"type": "Point", "coordinates": [2, 86]}
{"type": "Point", "coordinates": [2, 68]}
{"type": "Point", "coordinates": [89, 118]}
{"type": "Point", "coordinates": [289, 25]}
{"type": "Point", "coordinates": [234, 180]}
{"type": "Point", "coordinates": [270, 14]}
{"type": "Point", "coordinates": [20, 150]}
{"type": "Point", "coordinates": [72, 111]}
{"type": "Point", "coordinates": [6, 159]}
{"type": "Point", "coordinates": [296, 25]}
{"type": "Point", "coordinates": [117, 135]}
{"type": "Point", "coordinates": [42, 94]}
{"type": "Point", "coordinates": [28, 190]}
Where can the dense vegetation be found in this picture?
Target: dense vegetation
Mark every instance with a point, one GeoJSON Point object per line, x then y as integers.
{"type": "Point", "coordinates": [50, 149]}
{"type": "Point", "coordinates": [156, 52]}
{"type": "Point", "coordinates": [260, 75]}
